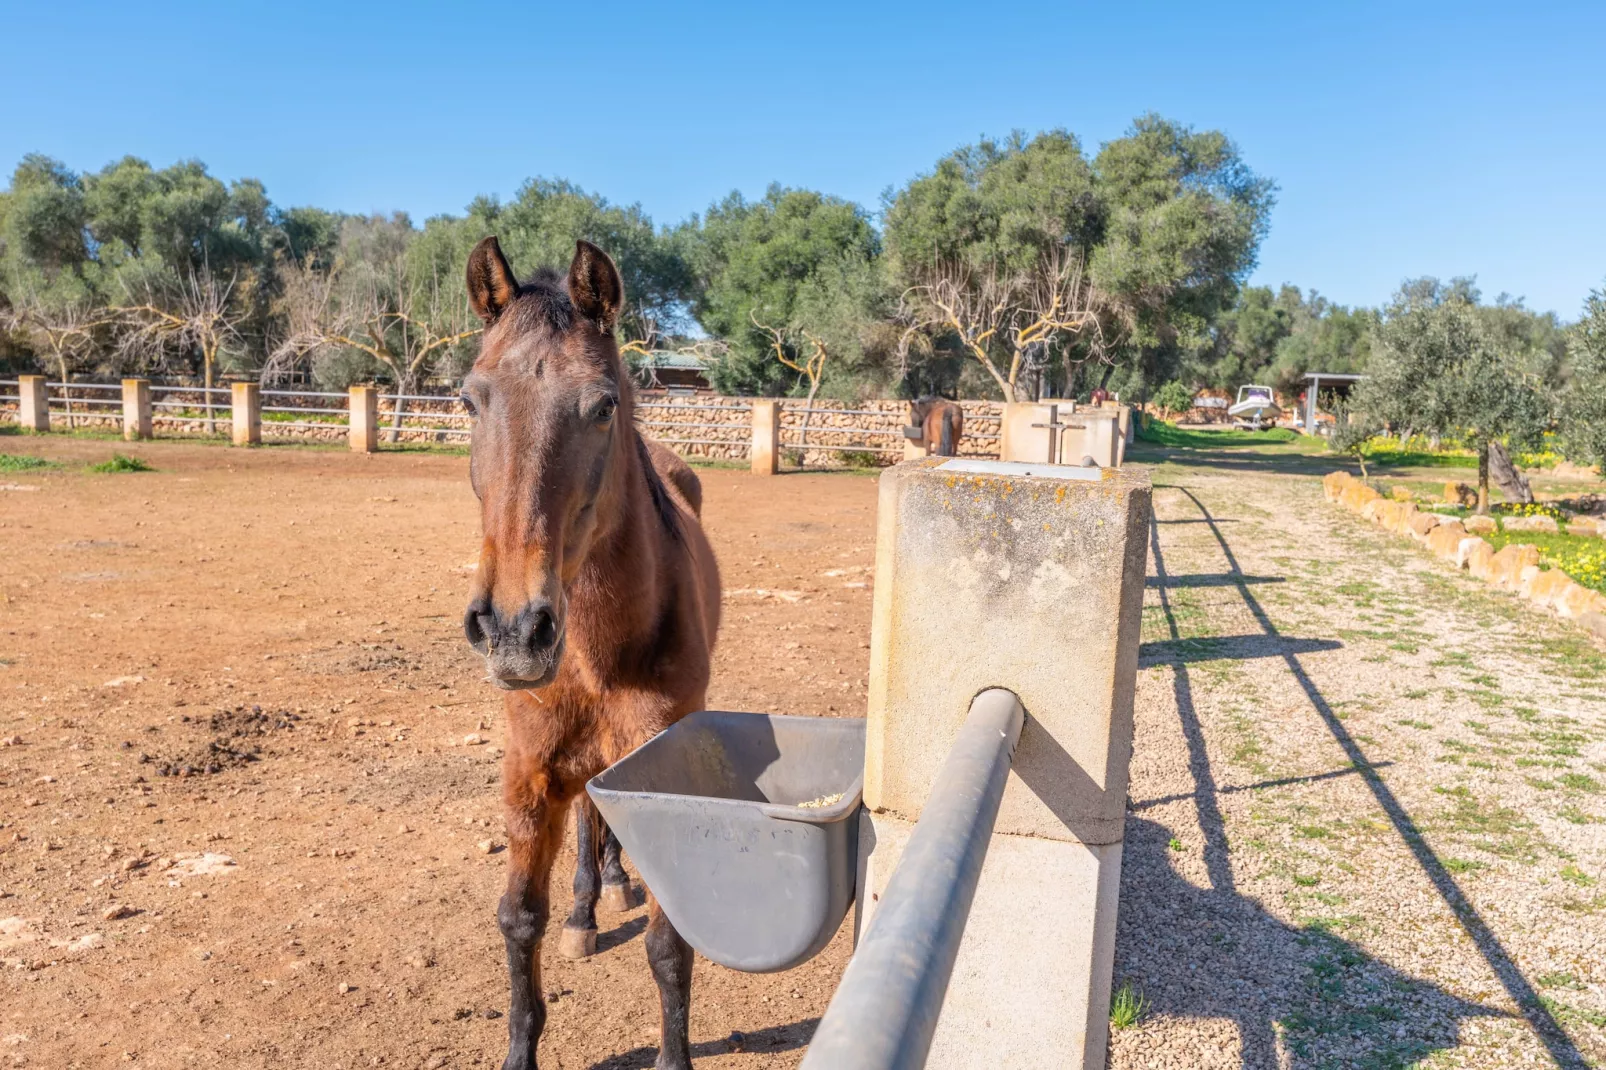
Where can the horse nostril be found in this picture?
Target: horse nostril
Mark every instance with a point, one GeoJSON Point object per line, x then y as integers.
{"type": "Point", "coordinates": [543, 629]}
{"type": "Point", "coordinates": [479, 626]}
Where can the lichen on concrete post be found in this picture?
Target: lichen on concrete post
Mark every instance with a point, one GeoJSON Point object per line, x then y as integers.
{"type": "Point", "coordinates": [246, 399]}
{"type": "Point", "coordinates": [1027, 577]}
{"type": "Point", "coordinates": [136, 409]}
{"type": "Point", "coordinates": [766, 448]}
{"type": "Point", "coordinates": [364, 419]}
{"type": "Point", "coordinates": [33, 407]}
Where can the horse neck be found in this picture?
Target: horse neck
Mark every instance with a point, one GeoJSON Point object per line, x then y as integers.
{"type": "Point", "coordinates": [619, 589]}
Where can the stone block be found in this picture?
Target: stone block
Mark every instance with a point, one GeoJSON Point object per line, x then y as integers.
{"type": "Point", "coordinates": [1461, 494]}
{"type": "Point", "coordinates": [765, 453]}
{"type": "Point", "coordinates": [1465, 548]}
{"type": "Point", "coordinates": [1480, 525]}
{"type": "Point", "coordinates": [1422, 523]}
{"type": "Point", "coordinates": [1089, 433]}
{"type": "Point", "coordinates": [33, 403]}
{"type": "Point", "coordinates": [245, 400]}
{"type": "Point", "coordinates": [1040, 571]}
{"type": "Point", "coordinates": [1575, 600]}
{"type": "Point", "coordinates": [1546, 587]}
{"type": "Point", "coordinates": [1445, 539]}
{"type": "Point", "coordinates": [1530, 523]}
{"type": "Point", "coordinates": [1505, 568]}
{"type": "Point", "coordinates": [136, 410]}
{"type": "Point", "coordinates": [364, 419]}
{"type": "Point", "coordinates": [1030, 988]}
{"type": "Point", "coordinates": [1400, 494]}
{"type": "Point", "coordinates": [1479, 558]}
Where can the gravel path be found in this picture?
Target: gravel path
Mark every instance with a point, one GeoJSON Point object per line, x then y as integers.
{"type": "Point", "coordinates": [1366, 819]}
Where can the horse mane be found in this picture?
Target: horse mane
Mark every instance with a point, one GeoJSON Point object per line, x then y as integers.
{"type": "Point", "coordinates": [655, 487]}
{"type": "Point", "coordinates": [543, 302]}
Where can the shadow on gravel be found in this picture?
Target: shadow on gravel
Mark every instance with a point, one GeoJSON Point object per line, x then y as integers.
{"type": "Point", "coordinates": [1228, 648]}
{"type": "Point", "coordinates": [1215, 954]}
{"type": "Point", "coordinates": [776, 1038]}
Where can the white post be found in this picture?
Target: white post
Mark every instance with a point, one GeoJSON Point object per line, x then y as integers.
{"type": "Point", "coordinates": [988, 577]}
{"type": "Point", "coordinates": [136, 409]}
{"type": "Point", "coordinates": [246, 403]}
{"type": "Point", "coordinates": [766, 449]}
{"type": "Point", "coordinates": [364, 419]}
{"type": "Point", "coordinates": [33, 408]}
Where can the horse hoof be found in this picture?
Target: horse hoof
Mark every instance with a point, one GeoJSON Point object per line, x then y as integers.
{"type": "Point", "coordinates": [577, 943]}
{"type": "Point", "coordinates": [620, 897]}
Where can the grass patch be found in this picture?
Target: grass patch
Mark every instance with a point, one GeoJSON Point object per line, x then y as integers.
{"type": "Point", "coordinates": [1573, 875]}
{"type": "Point", "coordinates": [1565, 1013]}
{"type": "Point", "coordinates": [1175, 844]}
{"type": "Point", "coordinates": [1127, 1007]}
{"type": "Point", "coordinates": [121, 462]}
{"type": "Point", "coordinates": [18, 462]}
{"type": "Point", "coordinates": [1462, 865]}
{"type": "Point", "coordinates": [1579, 782]}
{"type": "Point", "coordinates": [1163, 434]}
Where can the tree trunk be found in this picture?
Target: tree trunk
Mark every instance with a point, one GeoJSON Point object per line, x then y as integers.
{"type": "Point", "coordinates": [206, 375]}
{"type": "Point", "coordinates": [808, 411]}
{"type": "Point", "coordinates": [404, 387]}
{"type": "Point", "coordinates": [66, 391]}
{"type": "Point", "coordinates": [1511, 482]}
{"type": "Point", "coordinates": [1483, 479]}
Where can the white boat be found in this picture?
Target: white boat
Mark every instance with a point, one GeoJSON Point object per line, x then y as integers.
{"type": "Point", "coordinates": [1256, 408]}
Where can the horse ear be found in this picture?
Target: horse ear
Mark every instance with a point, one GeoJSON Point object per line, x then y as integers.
{"type": "Point", "coordinates": [491, 285]}
{"type": "Point", "coordinates": [595, 286]}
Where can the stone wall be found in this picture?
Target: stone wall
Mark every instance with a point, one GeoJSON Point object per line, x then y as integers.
{"type": "Point", "coordinates": [828, 435]}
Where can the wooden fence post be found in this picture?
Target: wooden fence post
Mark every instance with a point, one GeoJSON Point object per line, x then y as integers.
{"type": "Point", "coordinates": [766, 449]}
{"type": "Point", "coordinates": [33, 408]}
{"type": "Point", "coordinates": [245, 400]}
{"type": "Point", "coordinates": [364, 419]}
{"type": "Point", "coordinates": [136, 409]}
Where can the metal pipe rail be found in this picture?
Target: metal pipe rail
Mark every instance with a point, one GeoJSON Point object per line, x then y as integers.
{"type": "Point", "coordinates": [885, 1011]}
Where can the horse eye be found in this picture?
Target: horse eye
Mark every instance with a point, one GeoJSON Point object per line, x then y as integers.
{"type": "Point", "coordinates": [604, 410]}
{"type": "Point", "coordinates": [468, 403]}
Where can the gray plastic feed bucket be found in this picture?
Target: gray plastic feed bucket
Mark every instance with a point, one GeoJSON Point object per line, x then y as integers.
{"type": "Point", "coordinates": [709, 810]}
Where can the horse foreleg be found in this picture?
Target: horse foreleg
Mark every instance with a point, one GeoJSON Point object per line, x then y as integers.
{"type": "Point", "coordinates": [579, 937]}
{"type": "Point", "coordinates": [535, 828]}
{"type": "Point", "coordinates": [670, 959]}
{"type": "Point", "coordinates": [618, 894]}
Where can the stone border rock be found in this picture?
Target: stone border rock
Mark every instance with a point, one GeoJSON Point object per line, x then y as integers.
{"type": "Point", "coordinates": [1514, 568]}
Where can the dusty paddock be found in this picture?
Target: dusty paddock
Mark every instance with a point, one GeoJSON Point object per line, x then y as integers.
{"type": "Point", "coordinates": [148, 616]}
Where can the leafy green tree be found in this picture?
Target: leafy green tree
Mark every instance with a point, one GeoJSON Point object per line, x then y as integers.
{"type": "Point", "coordinates": [1583, 401]}
{"type": "Point", "coordinates": [992, 245]}
{"type": "Point", "coordinates": [1184, 216]}
{"type": "Point", "coordinates": [1435, 368]}
{"type": "Point", "coordinates": [1173, 398]}
{"type": "Point", "coordinates": [795, 261]}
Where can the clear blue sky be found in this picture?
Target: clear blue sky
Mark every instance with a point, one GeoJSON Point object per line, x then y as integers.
{"type": "Point", "coordinates": [1442, 139]}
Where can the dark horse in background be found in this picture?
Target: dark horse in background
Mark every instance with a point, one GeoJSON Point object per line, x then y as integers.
{"type": "Point", "coordinates": [596, 601]}
{"type": "Point", "coordinates": [941, 423]}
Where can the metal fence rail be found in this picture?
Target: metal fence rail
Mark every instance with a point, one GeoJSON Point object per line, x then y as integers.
{"type": "Point", "coordinates": [885, 1011]}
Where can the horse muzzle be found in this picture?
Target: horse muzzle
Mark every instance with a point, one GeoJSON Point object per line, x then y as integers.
{"type": "Point", "coordinates": [522, 652]}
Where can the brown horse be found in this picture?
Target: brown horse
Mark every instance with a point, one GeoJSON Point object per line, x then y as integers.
{"type": "Point", "coordinates": [942, 424]}
{"type": "Point", "coordinates": [596, 601]}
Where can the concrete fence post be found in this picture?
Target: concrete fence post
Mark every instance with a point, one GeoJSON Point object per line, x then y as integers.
{"type": "Point", "coordinates": [988, 577]}
{"type": "Point", "coordinates": [33, 408]}
{"type": "Point", "coordinates": [136, 409]}
{"type": "Point", "coordinates": [246, 402]}
{"type": "Point", "coordinates": [364, 419]}
{"type": "Point", "coordinates": [766, 448]}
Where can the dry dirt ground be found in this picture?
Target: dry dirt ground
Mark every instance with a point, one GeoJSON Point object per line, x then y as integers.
{"type": "Point", "coordinates": [278, 631]}
{"type": "Point", "coordinates": [1366, 820]}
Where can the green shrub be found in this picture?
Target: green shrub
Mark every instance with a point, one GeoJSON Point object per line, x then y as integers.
{"type": "Point", "coordinates": [858, 459]}
{"type": "Point", "coordinates": [121, 462]}
{"type": "Point", "coordinates": [16, 462]}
